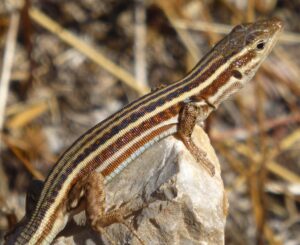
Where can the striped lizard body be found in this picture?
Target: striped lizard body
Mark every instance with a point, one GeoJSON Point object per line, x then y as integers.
{"type": "Point", "coordinates": [111, 145]}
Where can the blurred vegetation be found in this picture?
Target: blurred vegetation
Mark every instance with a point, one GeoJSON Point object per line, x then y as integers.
{"type": "Point", "coordinates": [66, 65]}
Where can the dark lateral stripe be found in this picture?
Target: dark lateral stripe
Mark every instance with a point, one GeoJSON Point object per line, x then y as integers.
{"type": "Point", "coordinates": [129, 136]}
{"type": "Point", "coordinates": [62, 173]}
{"type": "Point", "coordinates": [64, 170]}
{"type": "Point", "coordinates": [223, 78]}
{"type": "Point", "coordinates": [106, 153]}
{"type": "Point", "coordinates": [123, 113]}
{"type": "Point", "coordinates": [141, 102]}
{"type": "Point", "coordinates": [110, 150]}
{"type": "Point", "coordinates": [112, 166]}
{"type": "Point", "coordinates": [102, 138]}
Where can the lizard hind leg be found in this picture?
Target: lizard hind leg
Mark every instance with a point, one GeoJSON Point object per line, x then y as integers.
{"type": "Point", "coordinates": [95, 208]}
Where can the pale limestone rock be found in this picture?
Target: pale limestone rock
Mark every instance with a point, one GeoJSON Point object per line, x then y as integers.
{"type": "Point", "coordinates": [185, 204]}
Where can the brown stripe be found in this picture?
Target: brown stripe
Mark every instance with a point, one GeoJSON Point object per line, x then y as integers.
{"type": "Point", "coordinates": [129, 136]}
{"type": "Point", "coordinates": [50, 222]}
{"type": "Point", "coordinates": [171, 92]}
{"type": "Point", "coordinates": [172, 87]}
{"type": "Point", "coordinates": [168, 90]}
{"type": "Point", "coordinates": [223, 78]}
{"type": "Point", "coordinates": [143, 127]}
{"type": "Point", "coordinates": [108, 152]}
{"type": "Point", "coordinates": [68, 165]}
{"type": "Point", "coordinates": [111, 168]}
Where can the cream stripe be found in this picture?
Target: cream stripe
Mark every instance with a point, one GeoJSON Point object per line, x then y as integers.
{"type": "Point", "coordinates": [73, 152]}
{"type": "Point", "coordinates": [76, 171]}
{"type": "Point", "coordinates": [220, 92]}
{"type": "Point", "coordinates": [142, 149]}
{"type": "Point", "coordinates": [213, 99]}
{"type": "Point", "coordinates": [120, 152]}
{"type": "Point", "coordinates": [170, 131]}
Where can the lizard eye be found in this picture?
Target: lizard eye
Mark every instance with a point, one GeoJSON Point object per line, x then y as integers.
{"type": "Point", "coordinates": [260, 45]}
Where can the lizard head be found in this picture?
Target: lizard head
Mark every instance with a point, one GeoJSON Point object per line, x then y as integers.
{"type": "Point", "coordinates": [250, 44]}
{"type": "Point", "coordinates": [235, 59]}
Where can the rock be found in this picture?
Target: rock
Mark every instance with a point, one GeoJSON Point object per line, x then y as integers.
{"type": "Point", "coordinates": [185, 205]}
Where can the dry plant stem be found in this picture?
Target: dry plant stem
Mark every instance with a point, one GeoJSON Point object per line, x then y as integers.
{"type": "Point", "coordinates": [283, 172]}
{"type": "Point", "coordinates": [140, 42]}
{"type": "Point", "coordinates": [286, 37]}
{"type": "Point", "coordinates": [269, 124]}
{"type": "Point", "coordinates": [234, 162]}
{"type": "Point", "coordinates": [254, 180]}
{"type": "Point", "coordinates": [272, 238]}
{"type": "Point", "coordinates": [287, 142]}
{"type": "Point", "coordinates": [250, 10]}
{"type": "Point", "coordinates": [262, 174]}
{"type": "Point", "coordinates": [287, 88]}
{"type": "Point", "coordinates": [206, 16]}
{"type": "Point", "coordinates": [247, 121]}
{"type": "Point", "coordinates": [26, 24]}
{"type": "Point", "coordinates": [237, 15]}
{"type": "Point", "coordinates": [87, 50]}
{"type": "Point", "coordinates": [202, 26]}
{"type": "Point", "coordinates": [27, 164]}
{"type": "Point", "coordinates": [7, 64]}
{"type": "Point", "coordinates": [271, 165]}
{"type": "Point", "coordinates": [6, 72]}
{"type": "Point", "coordinates": [27, 114]}
{"type": "Point", "coordinates": [286, 82]}
{"type": "Point", "coordinates": [257, 207]}
{"type": "Point", "coordinates": [282, 77]}
{"type": "Point", "coordinates": [185, 37]}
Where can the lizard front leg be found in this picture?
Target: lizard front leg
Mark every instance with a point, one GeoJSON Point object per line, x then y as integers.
{"type": "Point", "coordinates": [95, 207]}
{"type": "Point", "coordinates": [187, 121]}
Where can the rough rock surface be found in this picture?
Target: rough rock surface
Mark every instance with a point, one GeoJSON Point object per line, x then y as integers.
{"type": "Point", "coordinates": [185, 205]}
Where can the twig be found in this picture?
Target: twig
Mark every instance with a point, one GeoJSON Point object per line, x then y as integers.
{"type": "Point", "coordinates": [26, 25]}
{"type": "Point", "coordinates": [271, 164]}
{"type": "Point", "coordinates": [185, 37]}
{"type": "Point", "coordinates": [26, 163]}
{"type": "Point", "coordinates": [250, 10]}
{"type": "Point", "coordinates": [286, 37]}
{"type": "Point", "coordinates": [243, 133]}
{"type": "Point", "coordinates": [87, 50]}
{"type": "Point", "coordinates": [140, 42]}
{"type": "Point", "coordinates": [8, 59]}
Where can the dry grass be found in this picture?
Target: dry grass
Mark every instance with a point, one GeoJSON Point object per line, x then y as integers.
{"type": "Point", "coordinates": [66, 66]}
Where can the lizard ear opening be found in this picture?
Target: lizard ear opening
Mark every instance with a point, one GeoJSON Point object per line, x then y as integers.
{"type": "Point", "coordinates": [237, 74]}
